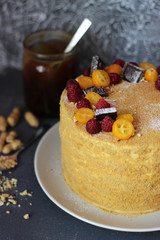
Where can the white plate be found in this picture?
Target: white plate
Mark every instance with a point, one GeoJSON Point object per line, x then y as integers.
{"type": "Point", "coordinates": [47, 165]}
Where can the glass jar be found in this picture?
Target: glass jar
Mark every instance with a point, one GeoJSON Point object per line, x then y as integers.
{"type": "Point", "coordinates": [46, 68]}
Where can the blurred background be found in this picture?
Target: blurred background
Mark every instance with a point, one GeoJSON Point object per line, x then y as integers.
{"type": "Point", "coordinates": [124, 29]}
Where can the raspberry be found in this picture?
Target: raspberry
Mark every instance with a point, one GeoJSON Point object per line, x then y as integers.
{"type": "Point", "coordinates": [84, 103]}
{"type": "Point", "coordinates": [87, 72]}
{"type": "Point", "coordinates": [74, 93]}
{"type": "Point", "coordinates": [158, 70]}
{"type": "Point", "coordinates": [157, 83]}
{"type": "Point", "coordinates": [120, 62]}
{"type": "Point", "coordinates": [102, 104]}
{"type": "Point", "coordinates": [114, 78]}
{"type": "Point", "coordinates": [93, 126]}
{"type": "Point", "coordinates": [107, 123]}
{"type": "Point", "coordinates": [134, 63]}
{"type": "Point", "coordinates": [71, 82]}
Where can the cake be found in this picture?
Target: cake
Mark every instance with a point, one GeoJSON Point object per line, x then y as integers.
{"type": "Point", "coordinates": [118, 176]}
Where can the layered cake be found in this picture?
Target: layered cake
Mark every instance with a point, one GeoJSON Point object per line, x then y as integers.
{"type": "Point", "coordinates": [110, 135]}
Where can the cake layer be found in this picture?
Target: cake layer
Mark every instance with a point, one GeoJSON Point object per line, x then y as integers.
{"type": "Point", "coordinates": [116, 176]}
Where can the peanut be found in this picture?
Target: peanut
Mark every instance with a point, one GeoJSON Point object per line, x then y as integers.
{"type": "Point", "coordinates": [15, 145]}
{"type": "Point", "coordinates": [3, 137]}
{"type": "Point", "coordinates": [11, 136]}
{"type": "Point", "coordinates": [14, 116]}
{"type": "Point", "coordinates": [3, 123]}
{"type": "Point", "coordinates": [31, 119]}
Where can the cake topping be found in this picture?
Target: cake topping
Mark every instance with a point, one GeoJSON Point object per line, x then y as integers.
{"type": "Point", "coordinates": [146, 65]}
{"type": "Point", "coordinates": [83, 115]}
{"type": "Point", "coordinates": [151, 75]}
{"type": "Point", "coordinates": [74, 93]}
{"type": "Point", "coordinates": [103, 112]}
{"type": "Point", "coordinates": [89, 89]}
{"type": "Point", "coordinates": [84, 102]}
{"type": "Point", "coordinates": [96, 63]}
{"type": "Point", "coordinates": [100, 78]}
{"type": "Point", "coordinates": [114, 78]}
{"type": "Point", "coordinates": [93, 126]}
{"type": "Point", "coordinates": [93, 98]}
{"type": "Point", "coordinates": [157, 83]}
{"type": "Point", "coordinates": [71, 82]}
{"type": "Point", "coordinates": [107, 124]}
{"type": "Point", "coordinates": [120, 62]}
{"type": "Point", "coordinates": [158, 70]}
{"type": "Point", "coordinates": [127, 116]}
{"type": "Point", "coordinates": [114, 68]}
{"type": "Point", "coordinates": [100, 90]}
{"type": "Point", "coordinates": [87, 72]}
{"type": "Point", "coordinates": [132, 73]}
{"type": "Point", "coordinates": [102, 104]}
{"type": "Point", "coordinates": [122, 129]}
{"type": "Point", "coordinates": [85, 81]}
{"type": "Point", "coordinates": [134, 63]}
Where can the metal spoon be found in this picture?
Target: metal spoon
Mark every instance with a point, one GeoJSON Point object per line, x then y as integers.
{"type": "Point", "coordinates": [78, 34]}
{"type": "Point", "coordinates": [10, 161]}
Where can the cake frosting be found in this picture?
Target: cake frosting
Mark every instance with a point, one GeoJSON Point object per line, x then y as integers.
{"type": "Point", "coordinates": [117, 176]}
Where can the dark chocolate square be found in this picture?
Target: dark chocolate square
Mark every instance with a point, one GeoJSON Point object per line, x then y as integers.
{"type": "Point", "coordinates": [100, 90]}
{"type": "Point", "coordinates": [132, 73]}
{"type": "Point", "coordinates": [103, 112]}
{"type": "Point", "coordinates": [96, 63]}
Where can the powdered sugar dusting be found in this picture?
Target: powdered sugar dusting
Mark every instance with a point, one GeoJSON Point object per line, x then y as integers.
{"type": "Point", "coordinates": [142, 100]}
{"type": "Point", "coordinates": [154, 124]}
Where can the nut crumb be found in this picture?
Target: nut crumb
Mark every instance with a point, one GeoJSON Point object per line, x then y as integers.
{"type": "Point", "coordinates": [1, 203]}
{"type": "Point", "coordinates": [8, 212]}
{"type": "Point", "coordinates": [25, 192]}
{"type": "Point", "coordinates": [26, 216]}
{"type": "Point", "coordinates": [12, 201]}
{"type": "Point", "coordinates": [7, 162]}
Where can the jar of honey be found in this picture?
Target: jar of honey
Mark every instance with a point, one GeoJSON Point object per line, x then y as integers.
{"type": "Point", "coordinates": [46, 68]}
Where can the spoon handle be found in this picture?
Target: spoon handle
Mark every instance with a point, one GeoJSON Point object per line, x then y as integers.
{"type": "Point", "coordinates": [10, 161]}
{"type": "Point", "coordinates": [78, 34]}
{"type": "Point", "coordinates": [36, 135]}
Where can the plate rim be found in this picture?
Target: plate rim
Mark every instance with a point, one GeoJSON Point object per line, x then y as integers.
{"type": "Point", "coordinates": [52, 198]}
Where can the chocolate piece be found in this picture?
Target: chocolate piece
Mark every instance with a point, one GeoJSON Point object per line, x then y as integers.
{"type": "Point", "coordinates": [96, 63]}
{"type": "Point", "coordinates": [132, 73]}
{"type": "Point", "coordinates": [100, 90]}
{"type": "Point", "coordinates": [103, 112]}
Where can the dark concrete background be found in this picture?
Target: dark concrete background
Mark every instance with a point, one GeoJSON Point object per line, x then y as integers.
{"type": "Point", "coordinates": [121, 28]}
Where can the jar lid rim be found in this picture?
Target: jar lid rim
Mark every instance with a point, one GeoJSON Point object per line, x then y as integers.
{"type": "Point", "coordinates": [59, 33]}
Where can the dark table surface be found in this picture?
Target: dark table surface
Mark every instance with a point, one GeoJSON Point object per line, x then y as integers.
{"type": "Point", "coordinates": [47, 221]}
